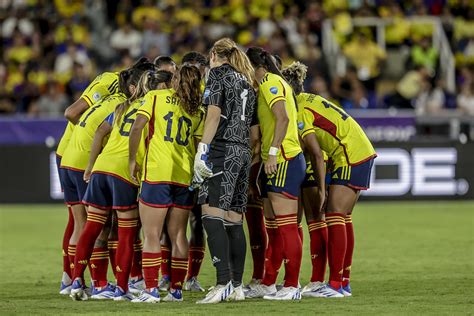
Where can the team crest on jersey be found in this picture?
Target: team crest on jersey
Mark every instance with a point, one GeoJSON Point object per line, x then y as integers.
{"type": "Point", "coordinates": [96, 96]}
{"type": "Point", "coordinates": [300, 125]}
{"type": "Point", "coordinates": [274, 90]}
{"type": "Point", "coordinates": [206, 93]}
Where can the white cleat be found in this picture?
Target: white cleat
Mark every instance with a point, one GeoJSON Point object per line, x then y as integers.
{"type": "Point", "coordinates": [238, 294]}
{"type": "Point", "coordinates": [121, 295]}
{"type": "Point", "coordinates": [252, 284]}
{"type": "Point", "coordinates": [325, 291]}
{"type": "Point", "coordinates": [136, 286]}
{"type": "Point", "coordinates": [105, 293]}
{"type": "Point", "coordinates": [77, 291]}
{"type": "Point", "coordinates": [261, 290]}
{"type": "Point", "coordinates": [285, 294]}
{"type": "Point", "coordinates": [66, 285]}
{"type": "Point", "coordinates": [173, 296]}
{"type": "Point", "coordinates": [148, 297]}
{"type": "Point", "coordinates": [193, 285]}
{"type": "Point", "coordinates": [311, 287]}
{"type": "Point", "coordinates": [218, 294]}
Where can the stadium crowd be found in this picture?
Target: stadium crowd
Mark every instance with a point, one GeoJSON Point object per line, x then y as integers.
{"type": "Point", "coordinates": [51, 50]}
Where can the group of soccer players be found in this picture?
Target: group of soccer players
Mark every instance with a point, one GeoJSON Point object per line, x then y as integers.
{"type": "Point", "coordinates": [217, 139]}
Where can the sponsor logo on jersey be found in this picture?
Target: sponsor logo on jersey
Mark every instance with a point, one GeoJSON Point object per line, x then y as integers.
{"type": "Point", "coordinates": [206, 93]}
{"type": "Point", "coordinates": [96, 96]}
{"type": "Point", "coordinates": [274, 90]}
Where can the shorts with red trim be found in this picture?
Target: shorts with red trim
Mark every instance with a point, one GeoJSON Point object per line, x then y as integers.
{"type": "Point", "coordinates": [287, 180]}
{"type": "Point", "coordinates": [166, 195]}
{"type": "Point", "coordinates": [355, 176]}
{"type": "Point", "coordinates": [74, 186]}
{"type": "Point", "coordinates": [107, 192]}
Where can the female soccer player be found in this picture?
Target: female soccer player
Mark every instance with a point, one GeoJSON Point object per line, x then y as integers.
{"type": "Point", "coordinates": [352, 157]}
{"type": "Point", "coordinates": [110, 186]}
{"type": "Point", "coordinates": [175, 119]}
{"type": "Point", "coordinates": [102, 86]}
{"type": "Point", "coordinates": [74, 162]}
{"type": "Point", "coordinates": [223, 159]}
{"type": "Point", "coordinates": [197, 245]}
{"type": "Point", "coordinates": [284, 171]}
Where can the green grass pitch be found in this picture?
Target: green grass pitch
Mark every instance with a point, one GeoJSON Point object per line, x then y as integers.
{"type": "Point", "coordinates": [410, 258]}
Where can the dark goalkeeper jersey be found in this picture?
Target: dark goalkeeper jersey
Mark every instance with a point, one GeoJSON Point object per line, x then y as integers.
{"type": "Point", "coordinates": [229, 90]}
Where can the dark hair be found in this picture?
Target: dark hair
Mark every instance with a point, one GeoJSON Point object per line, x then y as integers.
{"type": "Point", "coordinates": [188, 88]}
{"type": "Point", "coordinates": [148, 81]}
{"type": "Point", "coordinates": [164, 60]}
{"type": "Point", "coordinates": [194, 58]}
{"type": "Point", "coordinates": [132, 75]}
{"type": "Point", "coordinates": [278, 61]}
{"type": "Point", "coordinates": [261, 58]}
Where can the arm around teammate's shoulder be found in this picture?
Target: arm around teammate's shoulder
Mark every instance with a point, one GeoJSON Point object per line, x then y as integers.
{"type": "Point", "coordinates": [74, 111]}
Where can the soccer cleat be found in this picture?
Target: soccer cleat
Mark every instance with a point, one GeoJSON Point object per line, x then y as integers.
{"type": "Point", "coordinates": [261, 290]}
{"type": "Point", "coordinates": [282, 285]}
{"type": "Point", "coordinates": [164, 284]}
{"type": "Point", "coordinates": [238, 294]}
{"type": "Point", "coordinates": [285, 294]}
{"type": "Point", "coordinates": [311, 287]}
{"type": "Point", "coordinates": [326, 291]}
{"type": "Point", "coordinates": [193, 285]}
{"type": "Point", "coordinates": [346, 290]}
{"type": "Point", "coordinates": [66, 284]}
{"type": "Point", "coordinates": [103, 293]}
{"type": "Point", "coordinates": [174, 296]}
{"type": "Point", "coordinates": [77, 291]}
{"type": "Point", "coordinates": [120, 295]}
{"type": "Point", "coordinates": [218, 294]}
{"type": "Point", "coordinates": [253, 283]}
{"type": "Point", "coordinates": [136, 286]}
{"type": "Point", "coordinates": [152, 296]}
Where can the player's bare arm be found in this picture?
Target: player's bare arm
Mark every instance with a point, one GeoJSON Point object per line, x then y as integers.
{"type": "Point", "coordinates": [134, 141]}
{"type": "Point", "coordinates": [99, 142]}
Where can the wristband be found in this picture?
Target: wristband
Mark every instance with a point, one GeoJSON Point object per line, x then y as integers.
{"type": "Point", "coordinates": [273, 151]}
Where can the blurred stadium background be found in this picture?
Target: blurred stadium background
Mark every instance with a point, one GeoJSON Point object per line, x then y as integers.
{"type": "Point", "coordinates": [403, 69]}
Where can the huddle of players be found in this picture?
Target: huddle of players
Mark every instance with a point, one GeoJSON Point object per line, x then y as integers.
{"type": "Point", "coordinates": [136, 133]}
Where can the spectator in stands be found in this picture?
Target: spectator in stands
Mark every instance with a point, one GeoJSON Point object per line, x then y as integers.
{"type": "Point", "coordinates": [78, 83]}
{"type": "Point", "coordinates": [153, 37]}
{"type": "Point", "coordinates": [431, 100]}
{"type": "Point", "coordinates": [465, 98]}
{"type": "Point", "coordinates": [366, 56]}
{"type": "Point", "coordinates": [53, 103]}
{"type": "Point", "coordinates": [64, 62]}
{"type": "Point", "coordinates": [20, 52]}
{"type": "Point", "coordinates": [350, 91]}
{"type": "Point", "coordinates": [320, 87]}
{"type": "Point", "coordinates": [17, 21]}
{"type": "Point", "coordinates": [398, 30]}
{"type": "Point", "coordinates": [408, 88]}
{"type": "Point", "coordinates": [127, 39]}
{"type": "Point", "coordinates": [424, 54]}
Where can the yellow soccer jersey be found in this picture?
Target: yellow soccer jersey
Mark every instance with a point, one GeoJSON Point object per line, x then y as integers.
{"type": "Point", "coordinates": [65, 139]}
{"type": "Point", "coordinates": [102, 86]}
{"type": "Point", "coordinates": [170, 143]}
{"type": "Point", "coordinates": [273, 88]}
{"type": "Point", "coordinates": [114, 157]}
{"type": "Point", "coordinates": [77, 152]}
{"type": "Point", "coordinates": [338, 134]}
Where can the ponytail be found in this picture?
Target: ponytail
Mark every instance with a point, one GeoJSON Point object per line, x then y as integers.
{"type": "Point", "coordinates": [261, 58]}
{"type": "Point", "coordinates": [188, 88]}
{"type": "Point", "coordinates": [149, 80]}
{"type": "Point", "coordinates": [226, 48]}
